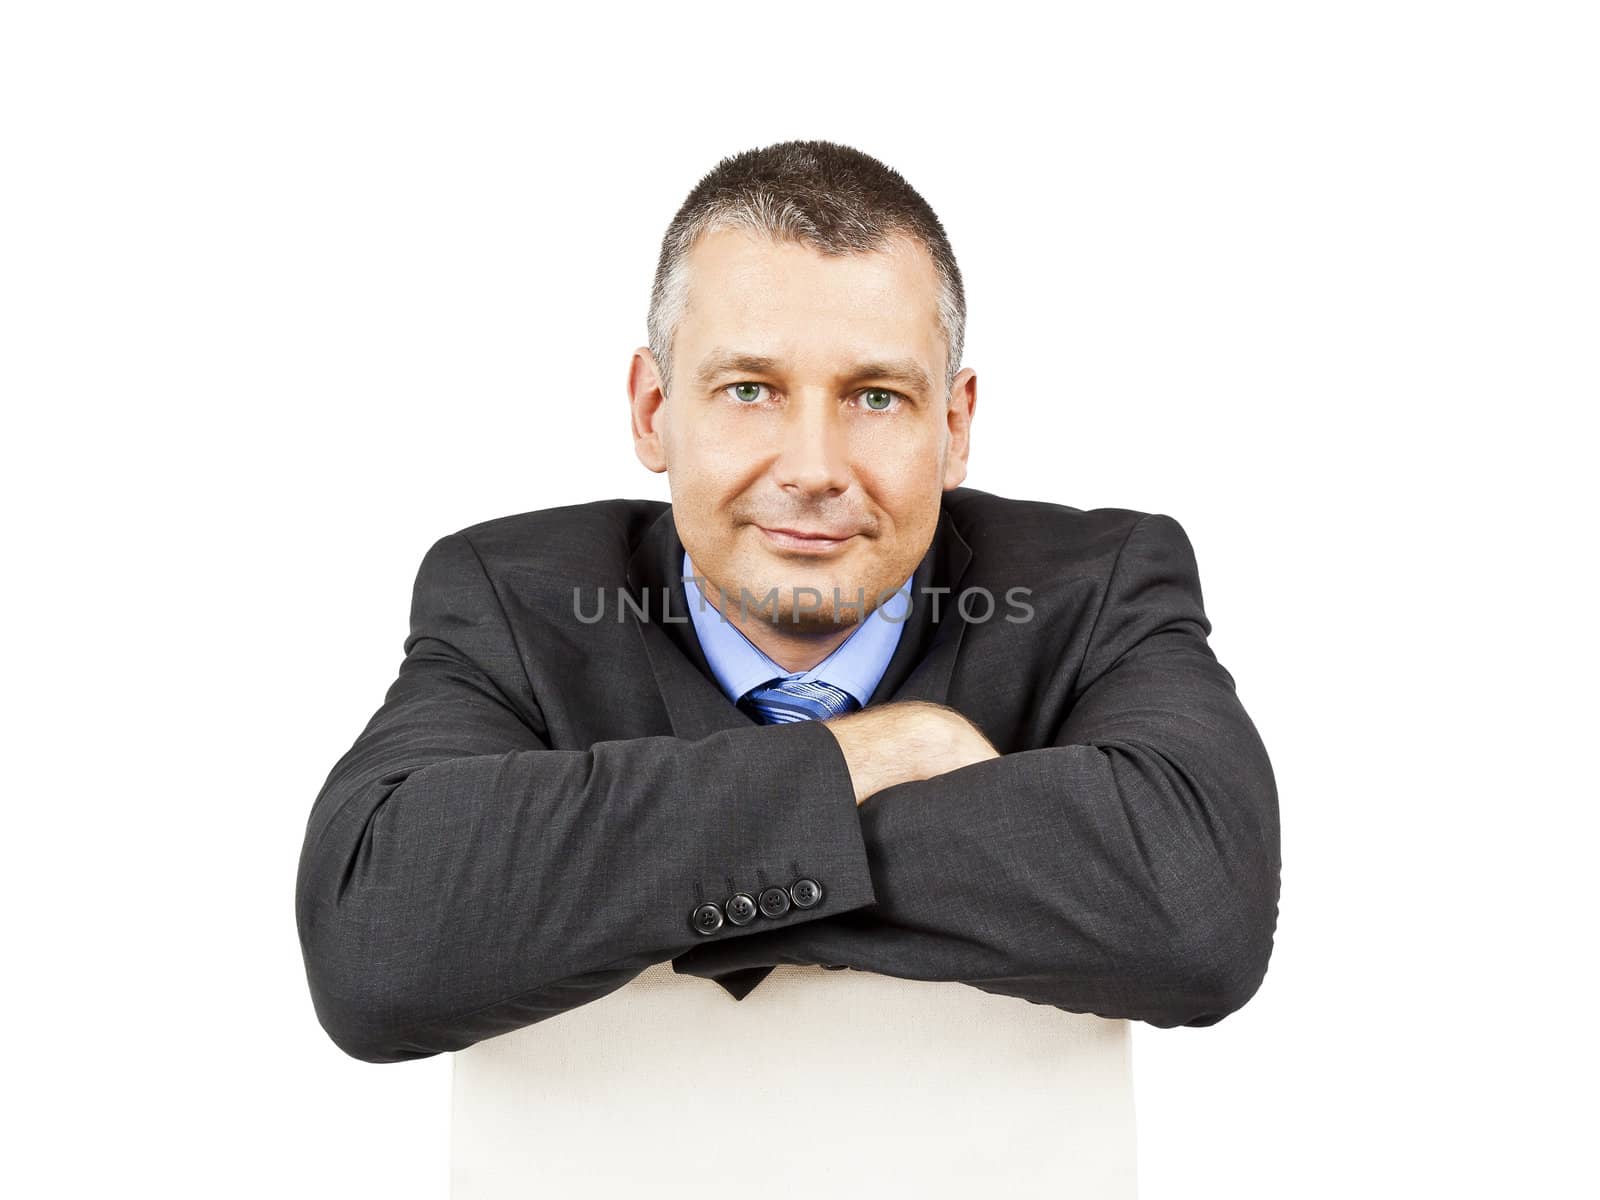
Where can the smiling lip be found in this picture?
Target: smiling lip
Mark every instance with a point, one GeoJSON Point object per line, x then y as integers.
{"type": "Point", "coordinates": [799, 539]}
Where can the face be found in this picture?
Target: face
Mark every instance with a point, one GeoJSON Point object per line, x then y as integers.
{"type": "Point", "coordinates": [807, 397]}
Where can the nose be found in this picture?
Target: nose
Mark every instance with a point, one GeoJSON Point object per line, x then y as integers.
{"type": "Point", "coordinates": [813, 457]}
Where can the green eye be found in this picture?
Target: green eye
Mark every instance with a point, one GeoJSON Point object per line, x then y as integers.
{"type": "Point", "coordinates": [745, 391]}
{"type": "Point", "coordinates": [876, 393]}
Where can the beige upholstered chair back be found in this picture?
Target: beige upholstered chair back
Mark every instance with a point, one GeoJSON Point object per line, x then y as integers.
{"type": "Point", "coordinates": [818, 1083]}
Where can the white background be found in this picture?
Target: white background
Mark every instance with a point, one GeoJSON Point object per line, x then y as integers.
{"type": "Point", "coordinates": [1318, 282]}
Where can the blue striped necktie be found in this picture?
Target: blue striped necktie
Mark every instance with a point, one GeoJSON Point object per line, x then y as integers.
{"type": "Point", "coordinates": [781, 700]}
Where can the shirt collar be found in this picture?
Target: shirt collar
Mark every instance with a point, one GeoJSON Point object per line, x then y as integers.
{"type": "Point", "coordinates": [856, 664]}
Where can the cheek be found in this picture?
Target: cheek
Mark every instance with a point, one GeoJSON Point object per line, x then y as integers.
{"type": "Point", "coordinates": [904, 447]}
{"type": "Point", "coordinates": [905, 476]}
{"type": "Point", "coordinates": [721, 451]}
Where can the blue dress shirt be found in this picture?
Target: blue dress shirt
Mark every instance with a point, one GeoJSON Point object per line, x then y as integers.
{"type": "Point", "coordinates": [856, 664]}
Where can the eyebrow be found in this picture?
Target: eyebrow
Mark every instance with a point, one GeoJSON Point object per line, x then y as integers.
{"type": "Point", "coordinates": [902, 370]}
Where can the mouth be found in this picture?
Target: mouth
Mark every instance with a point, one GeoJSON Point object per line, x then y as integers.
{"type": "Point", "coordinates": [804, 540]}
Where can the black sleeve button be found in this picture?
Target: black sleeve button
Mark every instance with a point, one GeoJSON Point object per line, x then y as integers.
{"type": "Point", "coordinates": [805, 893]}
{"type": "Point", "coordinates": [741, 908]}
{"type": "Point", "coordinates": [707, 918]}
{"type": "Point", "coordinates": [774, 901]}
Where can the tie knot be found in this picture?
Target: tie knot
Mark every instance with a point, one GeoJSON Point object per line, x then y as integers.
{"type": "Point", "coordinates": [782, 700]}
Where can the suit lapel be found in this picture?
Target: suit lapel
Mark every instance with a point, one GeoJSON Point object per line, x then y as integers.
{"type": "Point", "coordinates": [696, 705]}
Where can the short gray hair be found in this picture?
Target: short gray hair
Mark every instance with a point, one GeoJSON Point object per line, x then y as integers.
{"type": "Point", "coordinates": [829, 197]}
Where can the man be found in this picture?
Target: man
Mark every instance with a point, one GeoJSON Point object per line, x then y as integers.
{"type": "Point", "coordinates": [828, 709]}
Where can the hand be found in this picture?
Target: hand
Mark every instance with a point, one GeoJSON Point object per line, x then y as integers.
{"type": "Point", "coordinates": [908, 740]}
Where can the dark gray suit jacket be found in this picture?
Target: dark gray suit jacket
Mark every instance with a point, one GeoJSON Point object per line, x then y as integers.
{"type": "Point", "coordinates": [544, 807]}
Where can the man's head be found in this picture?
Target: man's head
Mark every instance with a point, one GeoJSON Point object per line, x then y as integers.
{"type": "Point", "coordinates": [802, 374]}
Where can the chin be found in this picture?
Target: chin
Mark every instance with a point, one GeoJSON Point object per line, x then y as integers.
{"type": "Point", "coordinates": [819, 622]}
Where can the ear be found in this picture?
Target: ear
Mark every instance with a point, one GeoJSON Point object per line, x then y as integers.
{"type": "Point", "coordinates": [958, 415]}
{"type": "Point", "coordinates": [647, 403]}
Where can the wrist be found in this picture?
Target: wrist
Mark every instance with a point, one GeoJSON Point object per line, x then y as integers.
{"type": "Point", "coordinates": [886, 745]}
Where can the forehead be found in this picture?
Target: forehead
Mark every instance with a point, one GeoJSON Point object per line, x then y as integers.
{"type": "Point", "coordinates": [746, 287]}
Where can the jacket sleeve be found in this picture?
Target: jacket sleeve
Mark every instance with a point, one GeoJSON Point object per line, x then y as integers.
{"type": "Point", "coordinates": [1130, 869]}
{"type": "Point", "coordinates": [459, 878]}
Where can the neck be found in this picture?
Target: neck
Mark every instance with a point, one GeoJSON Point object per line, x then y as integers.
{"type": "Point", "coordinates": [793, 647]}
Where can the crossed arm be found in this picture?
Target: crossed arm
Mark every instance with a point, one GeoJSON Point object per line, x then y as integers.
{"type": "Point", "coordinates": [1130, 869]}
{"type": "Point", "coordinates": [460, 878]}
